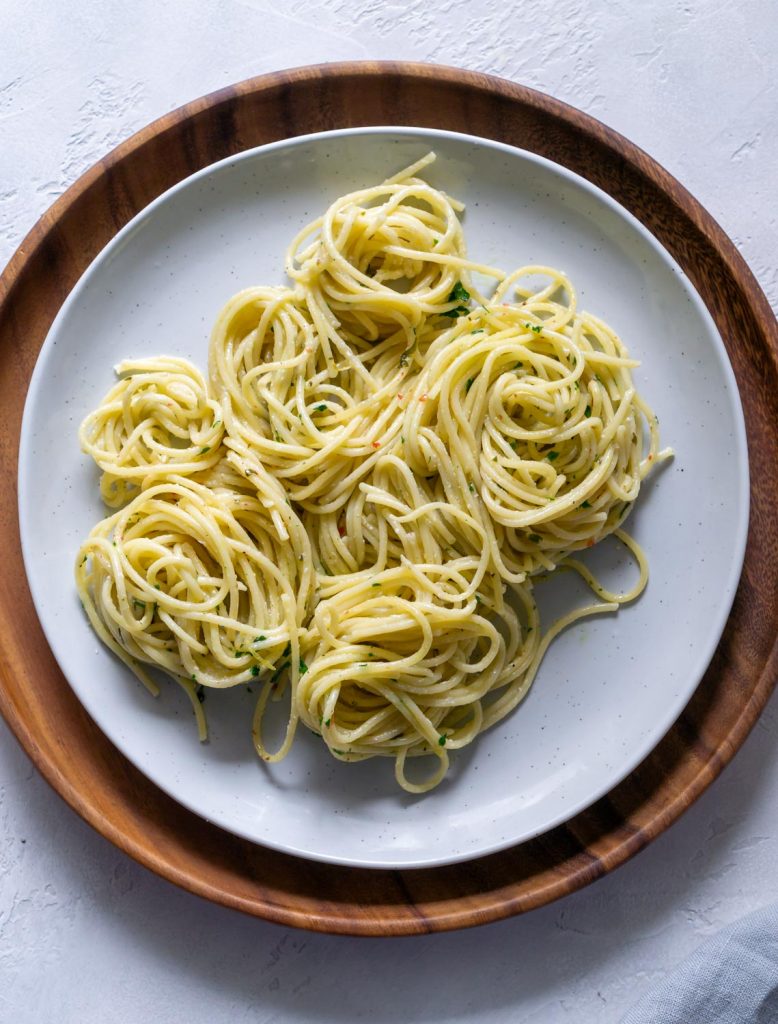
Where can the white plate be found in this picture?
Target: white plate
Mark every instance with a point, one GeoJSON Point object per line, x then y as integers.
{"type": "Point", "coordinates": [609, 688]}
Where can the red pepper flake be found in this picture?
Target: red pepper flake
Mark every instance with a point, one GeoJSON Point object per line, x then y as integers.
{"type": "Point", "coordinates": [376, 444]}
{"type": "Point", "coordinates": [423, 398]}
{"type": "Point", "coordinates": [341, 529]}
{"type": "Point", "coordinates": [399, 396]}
{"type": "Point", "coordinates": [590, 542]}
{"type": "Point", "coordinates": [650, 457]}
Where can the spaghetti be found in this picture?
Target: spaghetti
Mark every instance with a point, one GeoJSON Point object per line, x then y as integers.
{"type": "Point", "coordinates": [357, 505]}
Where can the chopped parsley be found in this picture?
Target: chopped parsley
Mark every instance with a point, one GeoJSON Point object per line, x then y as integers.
{"type": "Point", "coordinates": [321, 408]}
{"type": "Point", "coordinates": [471, 488]}
{"type": "Point", "coordinates": [442, 741]}
{"type": "Point", "coordinates": [588, 411]}
{"type": "Point", "coordinates": [586, 504]}
{"type": "Point", "coordinates": [259, 639]}
{"type": "Point", "coordinates": [200, 692]}
{"type": "Point", "coordinates": [287, 650]}
{"type": "Point", "coordinates": [534, 537]}
{"type": "Point", "coordinates": [461, 295]}
{"type": "Point", "coordinates": [535, 328]}
{"type": "Point", "coordinates": [255, 670]}
{"type": "Point", "coordinates": [139, 604]}
{"type": "Point", "coordinates": [303, 668]}
{"type": "Point", "coordinates": [552, 456]}
{"type": "Point", "coordinates": [468, 384]}
{"type": "Point", "coordinates": [204, 450]}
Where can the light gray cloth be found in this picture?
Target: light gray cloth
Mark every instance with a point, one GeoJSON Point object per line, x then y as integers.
{"type": "Point", "coordinates": [731, 979]}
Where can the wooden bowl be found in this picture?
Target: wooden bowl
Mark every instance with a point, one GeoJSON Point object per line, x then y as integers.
{"type": "Point", "coordinates": [105, 789]}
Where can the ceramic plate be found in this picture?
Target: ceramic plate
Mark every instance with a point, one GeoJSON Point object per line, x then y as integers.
{"type": "Point", "coordinates": [608, 689]}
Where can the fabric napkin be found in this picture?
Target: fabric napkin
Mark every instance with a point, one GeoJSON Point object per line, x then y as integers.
{"type": "Point", "coordinates": [731, 979]}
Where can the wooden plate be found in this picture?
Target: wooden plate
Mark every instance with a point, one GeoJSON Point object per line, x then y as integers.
{"type": "Point", "coordinates": [122, 804]}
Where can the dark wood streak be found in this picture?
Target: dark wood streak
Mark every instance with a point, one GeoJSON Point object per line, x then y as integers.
{"type": "Point", "coordinates": [105, 789]}
{"type": "Point", "coordinates": [402, 881]}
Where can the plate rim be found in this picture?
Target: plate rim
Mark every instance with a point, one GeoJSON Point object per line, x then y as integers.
{"type": "Point", "coordinates": [586, 849]}
{"type": "Point", "coordinates": [57, 642]}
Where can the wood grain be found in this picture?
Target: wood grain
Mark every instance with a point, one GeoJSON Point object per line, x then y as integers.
{"type": "Point", "coordinates": [105, 789]}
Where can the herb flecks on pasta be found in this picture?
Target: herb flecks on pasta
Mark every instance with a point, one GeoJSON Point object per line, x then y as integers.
{"type": "Point", "coordinates": [352, 512]}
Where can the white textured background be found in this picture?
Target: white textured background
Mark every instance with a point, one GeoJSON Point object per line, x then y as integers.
{"type": "Point", "coordinates": [87, 935]}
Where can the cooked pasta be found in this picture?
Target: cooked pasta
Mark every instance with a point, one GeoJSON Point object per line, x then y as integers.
{"type": "Point", "coordinates": [156, 420]}
{"type": "Point", "coordinates": [529, 407]}
{"type": "Point", "coordinates": [355, 509]}
{"type": "Point", "coordinates": [194, 579]}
